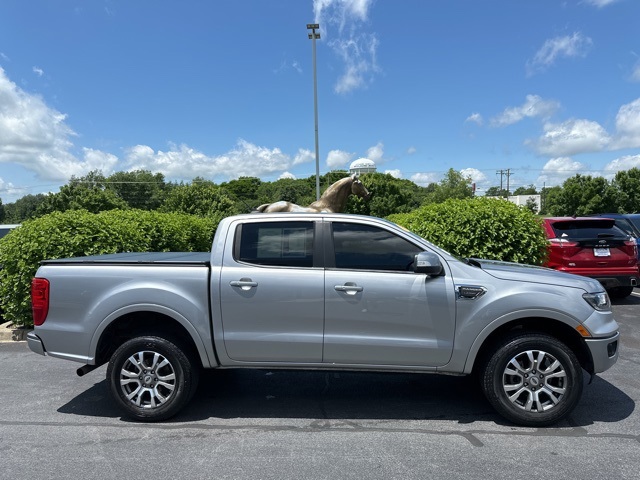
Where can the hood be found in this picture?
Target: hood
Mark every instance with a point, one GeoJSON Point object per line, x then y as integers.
{"type": "Point", "coordinates": [528, 273]}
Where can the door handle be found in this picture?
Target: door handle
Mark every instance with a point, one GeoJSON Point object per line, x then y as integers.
{"type": "Point", "coordinates": [244, 283]}
{"type": "Point", "coordinates": [348, 289]}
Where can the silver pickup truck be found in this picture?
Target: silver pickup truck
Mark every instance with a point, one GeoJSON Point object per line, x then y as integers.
{"type": "Point", "coordinates": [323, 291]}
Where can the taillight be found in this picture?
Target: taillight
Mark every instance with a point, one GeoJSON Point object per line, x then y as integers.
{"type": "Point", "coordinates": [566, 247]}
{"type": "Point", "coordinates": [39, 300]}
{"type": "Point", "coordinates": [631, 248]}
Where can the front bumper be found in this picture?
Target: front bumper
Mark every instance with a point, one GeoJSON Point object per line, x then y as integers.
{"type": "Point", "coordinates": [604, 352]}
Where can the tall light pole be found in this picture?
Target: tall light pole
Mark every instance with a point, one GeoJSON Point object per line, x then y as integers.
{"type": "Point", "coordinates": [313, 36]}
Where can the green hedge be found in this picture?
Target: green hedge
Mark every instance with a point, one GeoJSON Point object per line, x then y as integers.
{"type": "Point", "coordinates": [78, 233]}
{"type": "Point", "coordinates": [487, 228]}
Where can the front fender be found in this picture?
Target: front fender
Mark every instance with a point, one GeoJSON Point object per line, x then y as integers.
{"type": "Point", "coordinates": [543, 315]}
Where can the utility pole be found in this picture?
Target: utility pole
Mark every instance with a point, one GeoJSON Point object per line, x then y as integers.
{"type": "Point", "coordinates": [505, 173]}
{"type": "Point", "coordinates": [314, 36]}
{"type": "Point", "coordinates": [501, 173]}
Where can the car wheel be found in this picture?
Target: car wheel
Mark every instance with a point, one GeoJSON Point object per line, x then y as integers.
{"type": "Point", "coordinates": [620, 292]}
{"type": "Point", "coordinates": [150, 378]}
{"type": "Point", "coordinates": [533, 380]}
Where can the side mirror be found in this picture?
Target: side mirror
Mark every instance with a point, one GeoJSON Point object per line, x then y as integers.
{"type": "Point", "coordinates": [427, 263]}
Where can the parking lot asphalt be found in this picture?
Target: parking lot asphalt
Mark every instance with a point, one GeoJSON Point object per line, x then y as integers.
{"type": "Point", "coordinates": [273, 424]}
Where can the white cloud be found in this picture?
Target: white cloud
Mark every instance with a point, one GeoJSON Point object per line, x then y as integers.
{"type": "Point", "coordinates": [9, 191]}
{"type": "Point", "coordinates": [576, 136]}
{"type": "Point", "coordinates": [36, 136]}
{"type": "Point", "coordinates": [475, 118]}
{"type": "Point", "coordinates": [411, 150]}
{"type": "Point", "coordinates": [571, 137]}
{"type": "Point", "coordinates": [628, 126]}
{"type": "Point", "coordinates": [338, 158]}
{"type": "Point", "coordinates": [304, 156]}
{"type": "Point", "coordinates": [376, 153]}
{"type": "Point", "coordinates": [576, 45]}
{"type": "Point", "coordinates": [38, 71]}
{"type": "Point", "coordinates": [600, 3]}
{"type": "Point", "coordinates": [534, 106]}
{"type": "Point", "coordinates": [557, 170]}
{"type": "Point", "coordinates": [287, 175]}
{"type": "Point", "coordinates": [620, 164]}
{"type": "Point", "coordinates": [184, 162]}
{"type": "Point", "coordinates": [424, 179]}
{"type": "Point", "coordinates": [477, 177]}
{"type": "Point", "coordinates": [394, 173]}
{"type": "Point", "coordinates": [356, 48]}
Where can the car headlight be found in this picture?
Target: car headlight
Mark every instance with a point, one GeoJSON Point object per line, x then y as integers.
{"type": "Point", "coordinates": [599, 301]}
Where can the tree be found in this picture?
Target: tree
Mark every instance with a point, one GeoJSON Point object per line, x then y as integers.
{"type": "Point", "coordinates": [627, 183]}
{"type": "Point", "coordinates": [244, 192]}
{"type": "Point", "coordinates": [2, 212]}
{"type": "Point", "coordinates": [23, 209]}
{"type": "Point", "coordinates": [583, 195]}
{"type": "Point", "coordinates": [201, 197]}
{"type": "Point", "coordinates": [496, 192]}
{"type": "Point", "coordinates": [453, 185]}
{"type": "Point", "coordinates": [530, 190]}
{"type": "Point", "coordinates": [82, 193]}
{"type": "Point", "coordinates": [550, 199]}
{"type": "Point", "coordinates": [300, 192]}
{"type": "Point", "coordinates": [140, 189]}
{"type": "Point", "coordinates": [389, 195]}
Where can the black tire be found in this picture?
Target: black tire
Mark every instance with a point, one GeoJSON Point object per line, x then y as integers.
{"type": "Point", "coordinates": [618, 293]}
{"type": "Point", "coordinates": [533, 380]}
{"type": "Point", "coordinates": [151, 379]}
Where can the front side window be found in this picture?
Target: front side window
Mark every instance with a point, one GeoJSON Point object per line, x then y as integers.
{"type": "Point", "coordinates": [365, 247]}
{"type": "Point", "coordinates": [282, 244]}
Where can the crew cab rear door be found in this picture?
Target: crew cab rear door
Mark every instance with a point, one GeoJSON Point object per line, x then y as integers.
{"type": "Point", "coordinates": [272, 292]}
{"type": "Point", "coordinates": [377, 310]}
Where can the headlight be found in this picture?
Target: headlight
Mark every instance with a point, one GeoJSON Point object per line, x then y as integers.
{"type": "Point", "coordinates": [599, 301]}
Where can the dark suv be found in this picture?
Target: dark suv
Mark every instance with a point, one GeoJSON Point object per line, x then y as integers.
{"type": "Point", "coordinates": [596, 248]}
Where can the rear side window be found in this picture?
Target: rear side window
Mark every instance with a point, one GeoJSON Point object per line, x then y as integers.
{"type": "Point", "coordinates": [587, 229]}
{"type": "Point", "coordinates": [281, 244]}
{"type": "Point", "coordinates": [364, 247]}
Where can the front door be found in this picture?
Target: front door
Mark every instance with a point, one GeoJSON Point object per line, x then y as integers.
{"type": "Point", "coordinates": [377, 310]}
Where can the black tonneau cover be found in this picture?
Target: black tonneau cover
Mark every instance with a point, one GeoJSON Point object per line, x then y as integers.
{"type": "Point", "coordinates": [148, 258]}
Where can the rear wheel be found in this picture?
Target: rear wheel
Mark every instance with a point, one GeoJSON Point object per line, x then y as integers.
{"type": "Point", "coordinates": [150, 378]}
{"type": "Point", "coordinates": [533, 380]}
{"type": "Point", "coordinates": [620, 292]}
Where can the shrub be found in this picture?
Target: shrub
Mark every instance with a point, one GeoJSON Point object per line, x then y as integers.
{"type": "Point", "coordinates": [77, 233]}
{"type": "Point", "coordinates": [487, 228]}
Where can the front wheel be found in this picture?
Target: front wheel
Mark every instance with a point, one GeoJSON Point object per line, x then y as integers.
{"type": "Point", "coordinates": [533, 380]}
{"type": "Point", "coordinates": [150, 378]}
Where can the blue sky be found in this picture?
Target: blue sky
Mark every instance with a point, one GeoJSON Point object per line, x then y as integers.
{"type": "Point", "coordinates": [222, 89]}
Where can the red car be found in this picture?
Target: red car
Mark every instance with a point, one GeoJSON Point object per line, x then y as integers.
{"type": "Point", "coordinates": [594, 247]}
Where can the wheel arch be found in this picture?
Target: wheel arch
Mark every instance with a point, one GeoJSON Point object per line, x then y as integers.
{"type": "Point", "coordinates": [559, 330]}
{"type": "Point", "coordinates": [146, 320]}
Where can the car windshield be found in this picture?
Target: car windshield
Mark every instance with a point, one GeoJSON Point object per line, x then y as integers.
{"type": "Point", "coordinates": [587, 229]}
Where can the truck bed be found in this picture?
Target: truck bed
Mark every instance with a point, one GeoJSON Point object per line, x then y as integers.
{"type": "Point", "coordinates": [148, 258]}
